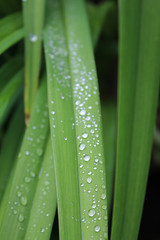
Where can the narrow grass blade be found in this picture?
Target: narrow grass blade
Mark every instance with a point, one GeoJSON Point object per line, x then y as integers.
{"type": "Point", "coordinates": [10, 23]}
{"type": "Point", "coordinates": [15, 210]}
{"type": "Point", "coordinates": [97, 15]}
{"type": "Point", "coordinates": [44, 204]}
{"type": "Point", "coordinates": [11, 39]}
{"type": "Point", "coordinates": [109, 136]}
{"type": "Point", "coordinates": [92, 177]}
{"type": "Point", "coordinates": [33, 14]}
{"type": "Point", "coordinates": [9, 69]}
{"type": "Point", "coordinates": [10, 147]}
{"type": "Point", "coordinates": [10, 94]}
{"type": "Point", "coordinates": [137, 103]}
{"type": "Point", "coordinates": [62, 124]}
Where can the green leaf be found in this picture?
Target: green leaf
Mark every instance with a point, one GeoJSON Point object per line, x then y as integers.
{"type": "Point", "coordinates": [44, 204]}
{"type": "Point", "coordinates": [16, 208]}
{"type": "Point", "coordinates": [10, 146]}
{"type": "Point", "coordinates": [11, 39]}
{"type": "Point", "coordinates": [85, 92]}
{"type": "Point", "coordinates": [109, 136]}
{"type": "Point", "coordinates": [33, 15]}
{"type": "Point", "coordinates": [9, 95]}
{"type": "Point", "coordinates": [62, 124]}
{"type": "Point", "coordinates": [62, 74]}
{"type": "Point", "coordinates": [137, 104]}
{"type": "Point", "coordinates": [10, 23]}
{"type": "Point", "coordinates": [9, 69]}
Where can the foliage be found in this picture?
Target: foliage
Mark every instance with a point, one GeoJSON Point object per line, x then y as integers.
{"type": "Point", "coordinates": [70, 156]}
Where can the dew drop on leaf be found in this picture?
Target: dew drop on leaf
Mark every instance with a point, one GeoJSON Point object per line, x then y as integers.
{"type": "Point", "coordinates": [82, 112]}
{"type": "Point", "coordinates": [82, 146]}
{"type": "Point", "coordinates": [103, 196]}
{"type": "Point", "coordinates": [97, 228]}
{"type": "Point", "coordinates": [33, 37]}
{"type": "Point", "coordinates": [32, 174]}
{"type": "Point", "coordinates": [19, 194]}
{"type": "Point", "coordinates": [39, 152]}
{"type": "Point", "coordinates": [21, 218]}
{"type": "Point", "coordinates": [85, 135]}
{"type": "Point", "coordinates": [89, 180]}
{"type": "Point", "coordinates": [86, 158]}
{"type": "Point", "coordinates": [42, 230]}
{"type": "Point", "coordinates": [91, 212]}
{"type": "Point", "coordinates": [27, 179]}
{"type": "Point", "coordinates": [27, 153]}
{"type": "Point", "coordinates": [23, 200]}
{"type": "Point", "coordinates": [104, 207]}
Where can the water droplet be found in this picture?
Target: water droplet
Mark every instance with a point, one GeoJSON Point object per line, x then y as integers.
{"type": "Point", "coordinates": [94, 206]}
{"type": "Point", "coordinates": [62, 97]}
{"type": "Point", "coordinates": [77, 102]}
{"type": "Point", "coordinates": [103, 196]}
{"type": "Point", "coordinates": [20, 218]}
{"type": "Point", "coordinates": [19, 194]}
{"type": "Point", "coordinates": [91, 212]}
{"type": "Point", "coordinates": [82, 146]}
{"type": "Point", "coordinates": [86, 158]}
{"type": "Point", "coordinates": [82, 112]}
{"type": "Point", "coordinates": [88, 118]}
{"type": "Point", "coordinates": [39, 152]}
{"type": "Point", "coordinates": [97, 228]}
{"type": "Point", "coordinates": [27, 153]}
{"type": "Point", "coordinates": [23, 200]}
{"type": "Point", "coordinates": [65, 138]}
{"type": "Point", "coordinates": [89, 180]}
{"type": "Point", "coordinates": [15, 212]}
{"type": "Point", "coordinates": [42, 230]}
{"type": "Point", "coordinates": [46, 183]}
{"type": "Point", "coordinates": [85, 135]}
{"type": "Point", "coordinates": [52, 112]}
{"type": "Point", "coordinates": [32, 174]}
{"type": "Point", "coordinates": [27, 179]}
{"type": "Point", "coordinates": [105, 235]}
{"type": "Point", "coordinates": [104, 207]}
{"type": "Point", "coordinates": [33, 37]}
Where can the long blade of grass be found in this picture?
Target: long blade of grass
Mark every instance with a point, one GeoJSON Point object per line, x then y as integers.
{"type": "Point", "coordinates": [10, 94]}
{"type": "Point", "coordinates": [10, 147]}
{"type": "Point", "coordinates": [33, 15]}
{"type": "Point", "coordinates": [15, 210]}
{"type": "Point", "coordinates": [9, 69]}
{"type": "Point", "coordinates": [62, 124]}
{"type": "Point", "coordinates": [11, 39]}
{"type": "Point", "coordinates": [92, 177]}
{"type": "Point", "coordinates": [109, 136]}
{"type": "Point", "coordinates": [137, 103]}
{"type": "Point", "coordinates": [44, 205]}
{"type": "Point", "coordinates": [10, 23]}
